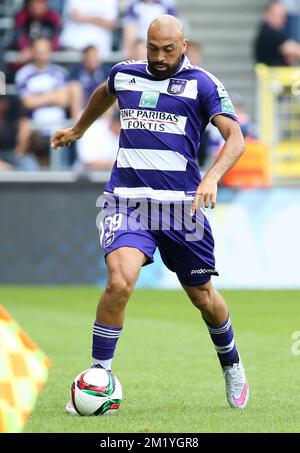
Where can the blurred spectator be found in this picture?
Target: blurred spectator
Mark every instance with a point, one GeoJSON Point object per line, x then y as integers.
{"type": "Point", "coordinates": [272, 46]}
{"type": "Point", "coordinates": [45, 91]}
{"type": "Point", "coordinates": [212, 140]}
{"type": "Point", "coordinates": [194, 52]}
{"type": "Point", "coordinates": [210, 143]}
{"type": "Point", "coordinates": [35, 156]}
{"type": "Point", "coordinates": [4, 166]}
{"type": "Point", "coordinates": [3, 66]}
{"type": "Point", "coordinates": [57, 5]}
{"type": "Point", "coordinates": [293, 22]}
{"type": "Point", "coordinates": [140, 50]}
{"type": "Point", "coordinates": [170, 3]}
{"type": "Point", "coordinates": [247, 126]}
{"type": "Point", "coordinates": [9, 125]}
{"type": "Point", "coordinates": [89, 22]}
{"type": "Point", "coordinates": [137, 19]}
{"type": "Point", "coordinates": [99, 146]}
{"type": "Point", "coordinates": [90, 74]}
{"type": "Point", "coordinates": [33, 21]}
{"type": "Point", "coordinates": [95, 149]}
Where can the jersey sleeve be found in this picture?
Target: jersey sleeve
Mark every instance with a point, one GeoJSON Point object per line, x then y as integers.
{"type": "Point", "coordinates": [214, 99]}
{"type": "Point", "coordinates": [111, 79]}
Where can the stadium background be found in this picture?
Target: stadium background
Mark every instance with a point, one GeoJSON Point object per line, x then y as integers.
{"type": "Point", "coordinates": [48, 230]}
{"type": "Point", "coordinates": [48, 237]}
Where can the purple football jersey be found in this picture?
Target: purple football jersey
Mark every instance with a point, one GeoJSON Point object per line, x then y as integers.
{"type": "Point", "coordinates": [162, 122]}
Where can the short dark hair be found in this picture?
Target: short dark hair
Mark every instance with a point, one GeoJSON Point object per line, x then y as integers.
{"type": "Point", "coordinates": [88, 48]}
{"type": "Point", "coordinates": [41, 38]}
{"type": "Point", "coordinates": [27, 2]}
{"type": "Point", "coordinates": [269, 5]}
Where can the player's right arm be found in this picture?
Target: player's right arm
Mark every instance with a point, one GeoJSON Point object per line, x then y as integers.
{"type": "Point", "coordinates": [100, 101]}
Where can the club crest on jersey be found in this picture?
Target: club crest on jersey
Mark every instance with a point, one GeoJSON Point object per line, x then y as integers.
{"type": "Point", "coordinates": [109, 240]}
{"type": "Point", "coordinates": [176, 86]}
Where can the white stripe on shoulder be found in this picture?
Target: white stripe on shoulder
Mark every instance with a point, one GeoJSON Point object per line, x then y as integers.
{"type": "Point", "coordinates": [128, 62]}
{"type": "Point", "coordinates": [222, 92]}
{"type": "Point", "coordinates": [125, 62]}
{"type": "Point", "coordinates": [213, 78]}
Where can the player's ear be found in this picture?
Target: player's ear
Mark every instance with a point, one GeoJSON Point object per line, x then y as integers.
{"type": "Point", "coordinates": [184, 45]}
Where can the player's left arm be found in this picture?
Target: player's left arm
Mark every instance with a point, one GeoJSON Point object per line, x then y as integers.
{"type": "Point", "coordinates": [232, 150]}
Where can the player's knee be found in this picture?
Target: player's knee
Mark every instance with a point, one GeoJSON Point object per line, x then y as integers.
{"type": "Point", "coordinates": [120, 286]}
{"type": "Point", "coordinates": [201, 298]}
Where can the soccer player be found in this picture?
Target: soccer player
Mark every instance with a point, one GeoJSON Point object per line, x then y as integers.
{"type": "Point", "coordinates": [165, 104]}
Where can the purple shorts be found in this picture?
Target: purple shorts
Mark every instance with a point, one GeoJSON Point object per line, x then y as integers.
{"type": "Point", "coordinates": [186, 244]}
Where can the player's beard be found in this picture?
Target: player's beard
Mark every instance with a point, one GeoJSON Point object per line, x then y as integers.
{"type": "Point", "coordinates": [162, 75]}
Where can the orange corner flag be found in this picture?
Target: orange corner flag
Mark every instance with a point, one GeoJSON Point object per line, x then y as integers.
{"type": "Point", "coordinates": [23, 373]}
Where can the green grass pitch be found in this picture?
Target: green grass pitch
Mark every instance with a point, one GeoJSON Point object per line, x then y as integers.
{"type": "Point", "coordinates": [165, 361]}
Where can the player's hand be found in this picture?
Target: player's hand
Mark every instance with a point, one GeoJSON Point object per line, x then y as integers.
{"type": "Point", "coordinates": [206, 195]}
{"type": "Point", "coordinates": [64, 137]}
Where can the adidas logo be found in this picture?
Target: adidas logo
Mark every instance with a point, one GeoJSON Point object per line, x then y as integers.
{"type": "Point", "coordinates": [131, 81]}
